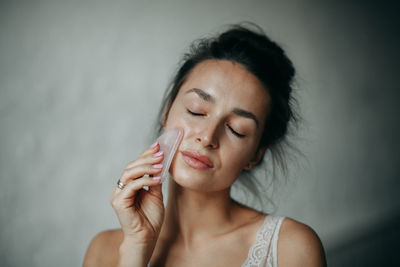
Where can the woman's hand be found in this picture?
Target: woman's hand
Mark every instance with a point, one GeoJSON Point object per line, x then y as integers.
{"type": "Point", "coordinates": [141, 212]}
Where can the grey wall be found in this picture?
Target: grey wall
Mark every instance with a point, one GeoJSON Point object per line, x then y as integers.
{"type": "Point", "coordinates": [81, 82]}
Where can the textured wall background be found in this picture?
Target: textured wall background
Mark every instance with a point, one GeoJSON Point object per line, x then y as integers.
{"type": "Point", "coordinates": [81, 82]}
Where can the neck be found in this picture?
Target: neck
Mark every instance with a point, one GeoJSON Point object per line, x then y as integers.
{"type": "Point", "coordinates": [193, 217]}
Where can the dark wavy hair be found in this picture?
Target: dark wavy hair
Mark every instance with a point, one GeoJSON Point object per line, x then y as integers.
{"type": "Point", "coordinates": [249, 46]}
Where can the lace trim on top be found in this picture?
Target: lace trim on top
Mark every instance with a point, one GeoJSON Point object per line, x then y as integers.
{"type": "Point", "coordinates": [263, 251]}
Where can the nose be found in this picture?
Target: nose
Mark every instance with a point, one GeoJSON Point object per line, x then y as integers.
{"type": "Point", "coordinates": [208, 136]}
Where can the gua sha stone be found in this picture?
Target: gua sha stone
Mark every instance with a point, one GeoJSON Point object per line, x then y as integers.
{"type": "Point", "coordinates": [169, 142]}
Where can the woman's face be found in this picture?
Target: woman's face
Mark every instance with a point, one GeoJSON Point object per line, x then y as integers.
{"type": "Point", "coordinates": [222, 108]}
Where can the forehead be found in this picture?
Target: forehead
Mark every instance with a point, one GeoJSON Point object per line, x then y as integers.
{"type": "Point", "coordinates": [229, 83]}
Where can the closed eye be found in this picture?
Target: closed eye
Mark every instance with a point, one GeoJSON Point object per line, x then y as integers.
{"type": "Point", "coordinates": [194, 113]}
{"type": "Point", "coordinates": [230, 128]}
{"type": "Point", "coordinates": [236, 133]}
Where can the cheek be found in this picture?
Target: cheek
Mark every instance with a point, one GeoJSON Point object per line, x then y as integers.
{"type": "Point", "coordinates": [180, 118]}
{"type": "Point", "coordinates": [235, 159]}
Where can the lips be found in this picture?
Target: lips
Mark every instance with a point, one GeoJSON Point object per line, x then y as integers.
{"type": "Point", "coordinates": [196, 160]}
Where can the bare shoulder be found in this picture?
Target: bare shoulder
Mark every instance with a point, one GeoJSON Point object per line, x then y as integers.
{"type": "Point", "coordinates": [299, 245]}
{"type": "Point", "coordinates": [104, 249]}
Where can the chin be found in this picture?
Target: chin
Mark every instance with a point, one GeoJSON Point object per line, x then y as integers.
{"type": "Point", "coordinates": [189, 179]}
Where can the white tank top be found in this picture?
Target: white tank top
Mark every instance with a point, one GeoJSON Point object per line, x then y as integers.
{"type": "Point", "coordinates": [264, 251]}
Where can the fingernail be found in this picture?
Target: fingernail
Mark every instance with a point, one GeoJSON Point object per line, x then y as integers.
{"type": "Point", "coordinates": [157, 166]}
{"type": "Point", "coordinates": [157, 178]}
{"type": "Point", "coordinates": [159, 153]}
{"type": "Point", "coordinates": [154, 144]}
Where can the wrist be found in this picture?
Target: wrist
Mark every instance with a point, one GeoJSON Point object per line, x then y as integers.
{"type": "Point", "coordinates": [133, 253]}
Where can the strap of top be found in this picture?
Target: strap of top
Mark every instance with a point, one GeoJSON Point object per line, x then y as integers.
{"type": "Point", "coordinates": [263, 252]}
{"type": "Point", "coordinates": [273, 257]}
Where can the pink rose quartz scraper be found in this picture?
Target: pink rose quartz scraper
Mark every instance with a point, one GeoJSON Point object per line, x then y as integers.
{"type": "Point", "coordinates": [169, 142]}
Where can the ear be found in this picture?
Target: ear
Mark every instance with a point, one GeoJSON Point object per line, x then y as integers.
{"type": "Point", "coordinates": [257, 157]}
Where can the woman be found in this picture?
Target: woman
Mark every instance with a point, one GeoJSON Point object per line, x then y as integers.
{"type": "Point", "coordinates": [232, 98]}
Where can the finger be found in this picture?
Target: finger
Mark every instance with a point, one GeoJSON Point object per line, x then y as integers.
{"type": "Point", "coordinates": [152, 158]}
{"type": "Point", "coordinates": [139, 171]}
{"type": "Point", "coordinates": [126, 196]}
{"type": "Point", "coordinates": [153, 149]}
{"type": "Point", "coordinates": [131, 189]}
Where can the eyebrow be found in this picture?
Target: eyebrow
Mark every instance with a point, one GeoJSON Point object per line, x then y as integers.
{"type": "Point", "coordinates": [202, 94]}
{"type": "Point", "coordinates": [209, 98]}
{"type": "Point", "coordinates": [246, 114]}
